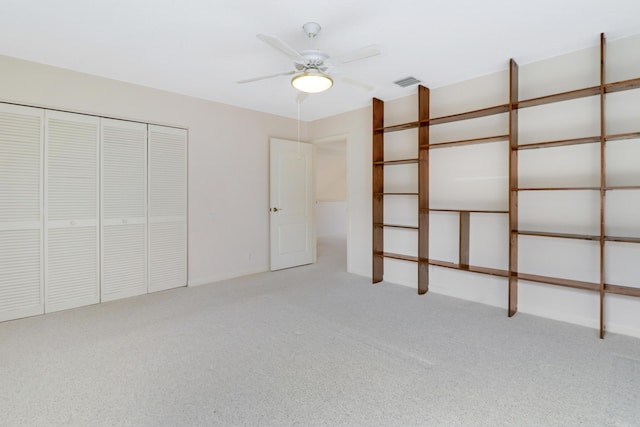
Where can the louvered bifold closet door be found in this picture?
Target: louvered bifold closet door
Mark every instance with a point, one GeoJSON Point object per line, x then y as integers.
{"type": "Point", "coordinates": [167, 208]}
{"type": "Point", "coordinates": [124, 209]}
{"type": "Point", "coordinates": [71, 207]}
{"type": "Point", "coordinates": [21, 152]}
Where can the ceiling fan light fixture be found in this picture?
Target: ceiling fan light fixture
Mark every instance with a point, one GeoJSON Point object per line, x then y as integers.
{"type": "Point", "coordinates": [312, 81]}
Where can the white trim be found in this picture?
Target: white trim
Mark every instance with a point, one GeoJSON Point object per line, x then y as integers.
{"type": "Point", "coordinates": [617, 328]}
{"type": "Point", "coordinates": [563, 317]}
{"type": "Point", "coordinates": [214, 279]}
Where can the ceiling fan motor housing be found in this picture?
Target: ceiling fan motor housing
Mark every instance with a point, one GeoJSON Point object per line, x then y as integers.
{"type": "Point", "coordinates": [312, 59]}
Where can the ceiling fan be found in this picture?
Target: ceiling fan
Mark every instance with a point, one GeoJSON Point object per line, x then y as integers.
{"type": "Point", "coordinates": [312, 67]}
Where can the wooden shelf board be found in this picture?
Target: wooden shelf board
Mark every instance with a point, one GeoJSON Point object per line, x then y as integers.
{"type": "Point", "coordinates": [622, 239]}
{"type": "Point", "coordinates": [468, 210]}
{"type": "Point", "coordinates": [576, 284]}
{"type": "Point", "coordinates": [395, 194]}
{"type": "Point", "coordinates": [622, 85]}
{"type": "Point", "coordinates": [470, 268]}
{"type": "Point", "coordinates": [399, 256]}
{"type": "Point", "coordinates": [483, 112]}
{"type": "Point", "coordinates": [555, 188]}
{"type": "Point", "coordinates": [622, 136]}
{"type": "Point", "coordinates": [623, 187]}
{"type": "Point", "coordinates": [487, 270]}
{"type": "Point", "coordinates": [396, 128]}
{"type": "Point", "coordinates": [622, 290]}
{"type": "Point", "coordinates": [557, 235]}
{"type": "Point", "coordinates": [397, 162]}
{"type": "Point", "coordinates": [559, 97]}
{"type": "Point", "coordinates": [462, 142]}
{"type": "Point", "coordinates": [407, 227]}
{"type": "Point", "coordinates": [559, 143]}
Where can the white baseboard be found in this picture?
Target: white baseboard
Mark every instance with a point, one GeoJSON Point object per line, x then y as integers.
{"type": "Point", "coordinates": [221, 277]}
{"type": "Point", "coordinates": [622, 330]}
{"type": "Point", "coordinates": [448, 292]}
{"type": "Point", "coordinates": [562, 317]}
{"type": "Point", "coordinates": [360, 273]}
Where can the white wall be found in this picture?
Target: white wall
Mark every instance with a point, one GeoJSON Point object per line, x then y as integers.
{"type": "Point", "coordinates": [475, 177]}
{"type": "Point", "coordinates": [330, 164]}
{"type": "Point", "coordinates": [331, 218]}
{"type": "Point", "coordinates": [228, 157]}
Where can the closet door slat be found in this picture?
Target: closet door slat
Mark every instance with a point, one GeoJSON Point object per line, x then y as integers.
{"type": "Point", "coordinates": [124, 209]}
{"type": "Point", "coordinates": [167, 208]}
{"type": "Point", "coordinates": [71, 206]}
{"type": "Point", "coordinates": [21, 236]}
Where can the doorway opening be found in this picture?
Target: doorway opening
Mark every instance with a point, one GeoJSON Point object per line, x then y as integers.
{"type": "Point", "coordinates": [331, 198]}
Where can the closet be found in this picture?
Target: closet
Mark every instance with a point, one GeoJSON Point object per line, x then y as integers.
{"type": "Point", "coordinates": [91, 210]}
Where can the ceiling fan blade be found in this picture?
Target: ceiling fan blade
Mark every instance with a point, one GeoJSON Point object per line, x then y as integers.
{"type": "Point", "coordinates": [357, 55]}
{"type": "Point", "coordinates": [255, 79]}
{"type": "Point", "coordinates": [278, 44]}
{"type": "Point", "coordinates": [358, 83]}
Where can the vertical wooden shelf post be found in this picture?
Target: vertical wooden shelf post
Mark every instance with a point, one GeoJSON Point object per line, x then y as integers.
{"type": "Point", "coordinates": [423, 190]}
{"type": "Point", "coordinates": [378, 189]}
{"type": "Point", "coordinates": [603, 179]}
{"type": "Point", "coordinates": [513, 187]}
{"type": "Point", "coordinates": [463, 246]}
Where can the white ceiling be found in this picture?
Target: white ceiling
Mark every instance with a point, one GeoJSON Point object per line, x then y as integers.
{"type": "Point", "coordinates": [200, 48]}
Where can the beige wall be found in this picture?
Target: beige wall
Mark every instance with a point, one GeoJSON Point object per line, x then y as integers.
{"type": "Point", "coordinates": [330, 163]}
{"type": "Point", "coordinates": [228, 157]}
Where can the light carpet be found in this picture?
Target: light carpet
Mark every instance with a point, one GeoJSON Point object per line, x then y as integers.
{"type": "Point", "coordinates": [310, 346]}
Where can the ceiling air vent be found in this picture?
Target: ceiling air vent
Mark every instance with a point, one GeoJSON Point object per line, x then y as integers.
{"type": "Point", "coordinates": [407, 81]}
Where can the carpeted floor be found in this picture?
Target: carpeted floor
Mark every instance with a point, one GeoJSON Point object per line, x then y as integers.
{"type": "Point", "coordinates": [311, 346]}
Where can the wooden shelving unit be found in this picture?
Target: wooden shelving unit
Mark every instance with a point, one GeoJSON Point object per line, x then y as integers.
{"type": "Point", "coordinates": [379, 164]}
{"type": "Point", "coordinates": [513, 275]}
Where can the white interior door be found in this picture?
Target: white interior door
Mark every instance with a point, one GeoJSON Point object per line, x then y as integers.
{"type": "Point", "coordinates": [71, 206]}
{"type": "Point", "coordinates": [21, 236]}
{"type": "Point", "coordinates": [291, 194]}
{"type": "Point", "coordinates": [123, 209]}
{"type": "Point", "coordinates": [167, 208]}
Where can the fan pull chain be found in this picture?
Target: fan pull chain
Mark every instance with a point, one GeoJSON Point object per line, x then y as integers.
{"type": "Point", "coordinates": [298, 105]}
